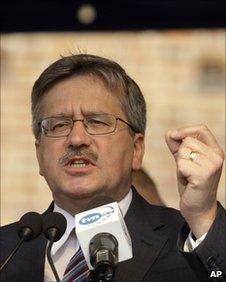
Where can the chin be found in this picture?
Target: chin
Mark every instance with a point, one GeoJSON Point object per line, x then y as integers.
{"type": "Point", "coordinates": [80, 192]}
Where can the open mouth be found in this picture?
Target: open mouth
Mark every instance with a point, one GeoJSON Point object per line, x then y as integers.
{"type": "Point", "coordinates": [79, 163]}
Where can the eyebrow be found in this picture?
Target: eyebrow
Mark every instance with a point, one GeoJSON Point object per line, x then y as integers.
{"type": "Point", "coordinates": [61, 114]}
{"type": "Point", "coordinates": [98, 112]}
{"type": "Point", "coordinates": [85, 113]}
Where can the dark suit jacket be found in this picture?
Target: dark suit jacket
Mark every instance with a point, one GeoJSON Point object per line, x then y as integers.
{"type": "Point", "coordinates": [157, 234]}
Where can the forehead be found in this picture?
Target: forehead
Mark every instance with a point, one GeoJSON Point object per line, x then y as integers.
{"type": "Point", "coordinates": [78, 95]}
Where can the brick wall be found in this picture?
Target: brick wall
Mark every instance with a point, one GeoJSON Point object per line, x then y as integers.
{"type": "Point", "coordinates": [181, 74]}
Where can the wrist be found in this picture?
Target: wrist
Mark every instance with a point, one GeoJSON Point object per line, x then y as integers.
{"type": "Point", "coordinates": [200, 223]}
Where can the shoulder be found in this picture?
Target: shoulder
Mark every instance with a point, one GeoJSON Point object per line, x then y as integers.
{"type": "Point", "coordinates": [8, 239]}
{"type": "Point", "coordinates": [9, 232]}
{"type": "Point", "coordinates": [155, 215]}
{"type": "Point", "coordinates": [13, 227]}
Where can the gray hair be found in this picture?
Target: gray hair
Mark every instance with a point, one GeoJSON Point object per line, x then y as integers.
{"type": "Point", "coordinates": [112, 74]}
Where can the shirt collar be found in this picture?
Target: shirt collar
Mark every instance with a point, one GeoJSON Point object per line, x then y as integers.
{"type": "Point", "coordinates": [123, 205]}
{"type": "Point", "coordinates": [70, 226]}
{"type": "Point", "coordinates": [125, 202]}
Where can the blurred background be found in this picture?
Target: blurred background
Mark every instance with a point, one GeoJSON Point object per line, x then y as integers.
{"type": "Point", "coordinates": [174, 50]}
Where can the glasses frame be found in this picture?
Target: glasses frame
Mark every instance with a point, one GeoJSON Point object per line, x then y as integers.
{"type": "Point", "coordinates": [42, 129]}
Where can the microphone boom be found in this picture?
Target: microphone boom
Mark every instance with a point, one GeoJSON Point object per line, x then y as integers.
{"type": "Point", "coordinates": [29, 227]}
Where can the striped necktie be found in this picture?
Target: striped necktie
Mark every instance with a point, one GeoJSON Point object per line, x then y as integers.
{"type": "Point", "coordinates": [77, 269]}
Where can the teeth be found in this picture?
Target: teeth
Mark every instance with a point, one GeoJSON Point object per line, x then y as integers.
{"type": "Point", "coordinates": [79, 164]}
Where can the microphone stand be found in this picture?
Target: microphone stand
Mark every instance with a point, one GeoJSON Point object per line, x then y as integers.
{"type": "Point", "coordinates": [54, 226]}
{"type": "Point", "coordinates": [25, 235]}
{"type": "Point", "coordinates": [50, 260]}
{"type": "Point", "coordinates": [12, 254]}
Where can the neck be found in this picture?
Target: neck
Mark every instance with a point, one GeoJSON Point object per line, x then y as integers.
{"type": "Point", "coordinates": [79, 204]}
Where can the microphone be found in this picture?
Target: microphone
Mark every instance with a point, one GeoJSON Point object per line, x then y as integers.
{"type": "Point", "coordinates": [103, 237]}
{"type": "Point", "coordinates": [29, 227]}
{"type": "Point", "coordinates": [54, 226]}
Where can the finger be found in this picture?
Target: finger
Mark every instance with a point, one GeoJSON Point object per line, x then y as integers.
{"type": "Point", "coordinates": [185, 152]}
{"type": "Point", "coordinates": [199, 159]}
{"type": "Point", "coordinates": [172, 144]}
{"type": "Point", "coordinates": [187, 170]}
{"type": "Point", "coordinates": [192, 143]}
{"type": "Point", "coordinates": [206, 152]}
{"type": "Point", "coordinates": [199, 132]}
{"type": "Point", "coordinates": [190, 170]}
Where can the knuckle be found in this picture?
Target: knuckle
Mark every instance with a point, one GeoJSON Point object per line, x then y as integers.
{"type": "Point", "coordinates": [180, 153]}
{"type": "Point", "coordinates": [187, 140]}
{"type": "Point", "coordinates": [218, 161]}
{"type": "Point", "coordinates": [196, 181]}
{"type": "Point", "coordinates": [203, 127]}
{"type": "Point", "coordinates": [180, 166]}
{"type": "Point", "coordinates": [218, 157]}
{"type": "Point", "coordinates": [222, 154]}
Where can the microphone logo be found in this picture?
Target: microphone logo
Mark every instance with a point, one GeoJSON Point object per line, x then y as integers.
{"type": "Point", "coordinates": [97, 217]}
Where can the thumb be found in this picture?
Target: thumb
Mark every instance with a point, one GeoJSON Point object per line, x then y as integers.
{"type": "Point", "coordinates": [172, 142]}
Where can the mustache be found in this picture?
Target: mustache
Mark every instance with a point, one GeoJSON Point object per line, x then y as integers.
{"type": "Point", "coordinates": [77, 151]}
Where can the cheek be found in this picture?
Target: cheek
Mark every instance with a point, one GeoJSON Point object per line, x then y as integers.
{"type": "Point", "coordinates": [117, 157]}
{"type": "Point", "coordinates": [49, 155]}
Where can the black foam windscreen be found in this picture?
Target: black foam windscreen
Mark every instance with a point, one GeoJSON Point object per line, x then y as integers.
{"type": "Point", "coordinates": [30, 225]}
{"type": "Point", "coordinates": [54, 220]}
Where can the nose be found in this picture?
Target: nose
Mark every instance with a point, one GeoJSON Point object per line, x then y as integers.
{"type": "Point", "coordinates": [78, 135]}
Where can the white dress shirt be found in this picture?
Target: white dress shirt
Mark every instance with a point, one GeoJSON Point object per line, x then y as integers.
{"type": "Point", "coordinates": [190, 244]}
{"type": "Point", "coordinates": [67, 246]}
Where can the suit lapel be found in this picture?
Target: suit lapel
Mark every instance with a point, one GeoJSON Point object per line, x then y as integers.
{"type": "Point", "coordinates": [145, 242]}
{"type": "Point", "coordinates": [34, 259]}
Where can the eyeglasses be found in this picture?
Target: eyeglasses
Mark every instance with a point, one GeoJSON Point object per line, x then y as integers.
{"type": "Point", "coordinates": [95, 124]}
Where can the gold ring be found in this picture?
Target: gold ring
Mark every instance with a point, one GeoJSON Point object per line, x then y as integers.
{"type": "Point", "coordinates": [192, 155]}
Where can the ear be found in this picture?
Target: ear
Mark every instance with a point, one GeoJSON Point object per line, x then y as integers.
{"type": "Point", "coordinates": [38, 154]}
{"type": "Point", "coordinates": [139, 146]}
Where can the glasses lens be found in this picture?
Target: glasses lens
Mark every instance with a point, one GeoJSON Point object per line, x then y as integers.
{"type": "Point", "coordinates": [100, 124]}
{"type": "Point", "coordinates": [56, 127]}
{"type": "Point", "coordinates": [94, 124]}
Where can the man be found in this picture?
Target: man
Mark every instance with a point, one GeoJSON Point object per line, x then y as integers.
{"type": "Point", "coordinates": [89, 121]}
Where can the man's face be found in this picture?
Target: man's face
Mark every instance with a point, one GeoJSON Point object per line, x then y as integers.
{"type": "Point", "coordinates": [110, 158]}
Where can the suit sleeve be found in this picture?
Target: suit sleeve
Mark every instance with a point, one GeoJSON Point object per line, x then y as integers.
{"type": "Point", "coordinates": [211, 252]}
